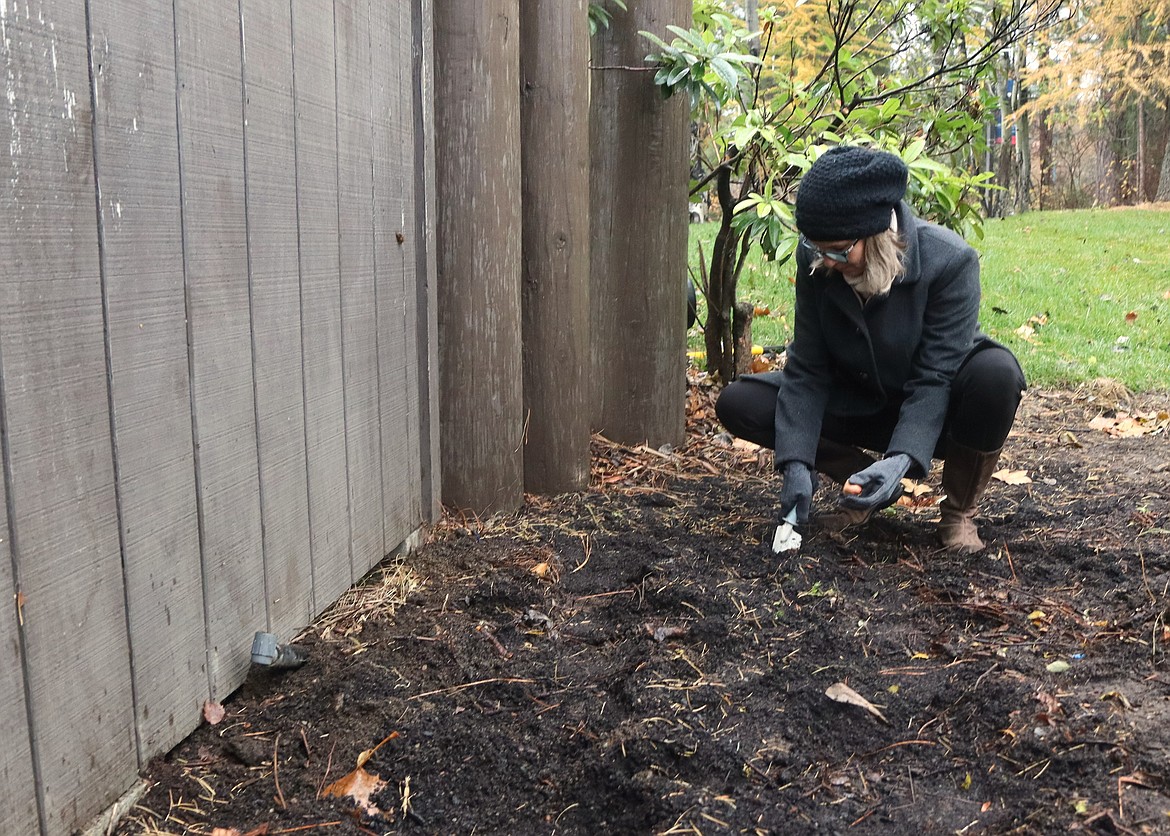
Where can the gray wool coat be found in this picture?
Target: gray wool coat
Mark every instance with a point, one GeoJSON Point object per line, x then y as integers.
{"type": "Point", "coordinates": [902, 349]}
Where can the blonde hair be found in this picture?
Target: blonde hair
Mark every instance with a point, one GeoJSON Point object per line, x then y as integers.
{"type": "Point", "coordinates": [885, 260]}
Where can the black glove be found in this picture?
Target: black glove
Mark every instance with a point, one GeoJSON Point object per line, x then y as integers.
{"type": "Point", "coordinates": [797, 492]}
{"type": "Point", "coordinates": [881, 484]}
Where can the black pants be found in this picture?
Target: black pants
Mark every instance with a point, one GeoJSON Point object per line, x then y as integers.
{"type": "Point", "coordinates": [984, 397]}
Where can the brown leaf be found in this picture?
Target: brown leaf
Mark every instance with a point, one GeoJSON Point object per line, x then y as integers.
{"type": "Point", "coordinates": [213, 712]}
{"type": "Point", "coordinates": [1012, 477]}
{"type": "Point", "coordinates": [1050, 704]}
{"type": "Point", "coordinates": [840, 692]}
{"type": "Point", "coordinates": [1131, 316]}
{"type": "Point", "coordinates": [358, 785]}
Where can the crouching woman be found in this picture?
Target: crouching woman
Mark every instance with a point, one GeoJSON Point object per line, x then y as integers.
{"type": "Point", "coordinates": [886, 356]}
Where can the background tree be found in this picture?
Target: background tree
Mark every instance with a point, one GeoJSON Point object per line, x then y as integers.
{"type": "Point", "coordinates": [1104, 72]}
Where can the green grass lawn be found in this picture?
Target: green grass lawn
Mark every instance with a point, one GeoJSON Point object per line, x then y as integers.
{"type": "Point", "coordinates": [1093, 286]}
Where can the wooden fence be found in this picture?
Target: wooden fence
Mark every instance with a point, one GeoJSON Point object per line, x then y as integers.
{"type": "Point", "coordinates": [216, 338]}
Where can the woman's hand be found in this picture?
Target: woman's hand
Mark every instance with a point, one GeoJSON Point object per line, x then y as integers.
{"type": "Point", "coordinates": [797, 490]}
{"type": "Point", "coordinates": [878, 485]}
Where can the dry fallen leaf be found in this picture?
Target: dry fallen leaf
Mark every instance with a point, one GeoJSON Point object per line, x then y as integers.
{"type": "Point", "coordinates": [1124, 425]}
{"type": "Point", "coordinates": [1131, 316]}
{"type": "Point", "coordinates": [1012, 477]}
{"type": "Point", "coordinates": [840, 692]}
{"type": "Point", "coordinates": [358, 785]}
{"type": "Point", "coordinates": [916, 495]}
{"type": "Point", "coordinates": [213, 712]}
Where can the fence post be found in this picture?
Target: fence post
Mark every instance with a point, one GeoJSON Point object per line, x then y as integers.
{"type": "Point", "coordinates": [638, 229]}
{"type": "Point", "coordinates": [477, 137]}
{"type": "Point", "coordinates": [554, 144]}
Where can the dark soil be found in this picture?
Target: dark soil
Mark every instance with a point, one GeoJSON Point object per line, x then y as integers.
{"type": "Point", "coordinates": [633, 659]}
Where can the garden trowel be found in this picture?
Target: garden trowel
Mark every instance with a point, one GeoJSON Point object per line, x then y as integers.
{"type": "Point", "coordinates": [786, 538]}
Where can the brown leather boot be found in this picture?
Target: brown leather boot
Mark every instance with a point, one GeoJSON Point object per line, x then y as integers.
{"type": "Point", "coordinates": [839, 462]}
{"type": "Point", "coordinates": [966, 473]}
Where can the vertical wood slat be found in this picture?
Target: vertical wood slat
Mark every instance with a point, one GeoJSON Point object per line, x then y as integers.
{"type": "Point", "coordinates": [314, 74]}
{"type": "Point", "coordinates": [18, 797]}
{"type": "Point", "coordinates": [410, 499]}
{"type": "Point", "coordinates": [425, 349]}
{"type": "Point", "coordinates": [478, 164]}
{"type": "Point", "coordinates": [359, 315]}
{"type": "Point", "coordinates": [214, 232]}
{"type": "Point", "coordinates": [57, 447]}
{"type": "Point", "coordinates": [270, 158]}
{"type": "Point", "coordinates": [408, 513]}
{"type": "Point", "coordinates": [136, 150]}
{"type": "Point", "coordinates": [392, 242]}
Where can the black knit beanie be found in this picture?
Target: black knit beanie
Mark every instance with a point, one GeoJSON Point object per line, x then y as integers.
{"type": "Point", "coordinates": [848, 193]}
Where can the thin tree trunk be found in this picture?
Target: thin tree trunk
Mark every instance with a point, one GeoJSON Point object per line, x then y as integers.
{"type": "Point", "coordinates": [717, 336]}
{"type": "Point", "coordinates": [477, 134]}
{"type": "Point", "coordinates": [1141, 149]}
{"type": "Point", "coordinates": [1045, 180]}
{"type": "Point", "coordinates": [1024, 147]}
{"type": "Point", "coordinates": [742, 334]}
{"type": "Point", "coordinates": [554, 116]}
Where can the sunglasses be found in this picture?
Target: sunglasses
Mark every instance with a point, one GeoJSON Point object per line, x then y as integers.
{"type": "Point", "coordinates": [839, 256]}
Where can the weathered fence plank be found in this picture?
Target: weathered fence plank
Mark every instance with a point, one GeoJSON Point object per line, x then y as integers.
{"type": "Point", "coordinates": [211, 154]}
{"type": "Point", "coordinates": [425, 321]}
{"type": "Point", "coordinates": [140, 227]}
{"type": "Point", "coordinates": [360, 335]}
{"type": "Point", "coordinates": [316, 141]}
{"type": "Point", "coordinates": [270, 162]}
{"type": "Point", "coordinates": [57, 448]}
{"type": "Point", "coordinates": [393, 243]}
{"type": "Point", "coordinates": [554, 141]}
{"type": "Point", "coordinates": [478, 163]}
{"type": "Point", "coordinates": [18, 796]}
{"type": "Point", "coordinates": [218, 338]}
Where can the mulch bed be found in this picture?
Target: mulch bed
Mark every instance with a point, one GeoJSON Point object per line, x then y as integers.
{"type": "Point", "coordinates": [633, 659]}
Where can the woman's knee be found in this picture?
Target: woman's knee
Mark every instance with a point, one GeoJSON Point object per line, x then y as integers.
{"type": "Point", "coordinates": [992, 375]}
{"type": "Point", "coordinates": [747, 408]}
{"type": "Point", "coordinates": [985, 397]}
